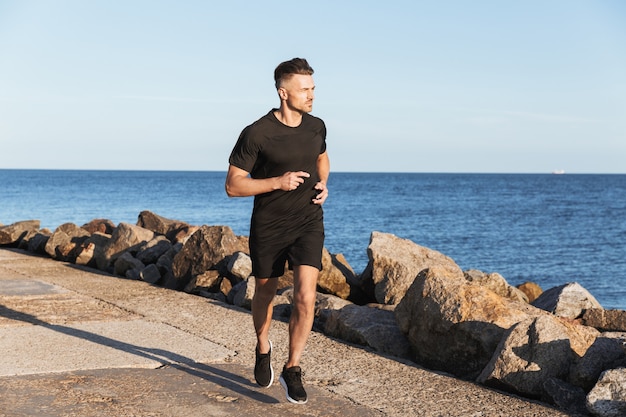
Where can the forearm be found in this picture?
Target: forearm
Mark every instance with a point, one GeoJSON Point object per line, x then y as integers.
{"type": "Point", "coordinates": [239, 184]}
{"type": "Point", "coordinates": [323, 167]}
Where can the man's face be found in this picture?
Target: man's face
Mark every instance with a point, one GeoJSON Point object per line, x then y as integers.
{"type": "Point", "coordinates": [297, 92]}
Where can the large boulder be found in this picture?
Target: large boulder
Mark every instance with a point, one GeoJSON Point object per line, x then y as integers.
{"type": "Point", "coordinates": [608, 397]}
{"type": "Point", "coordinates": [13, 233]}
{"type": "Point", "coordinates": [532, 352]}
{"type": "Point", "coordinates": [394, 263]}
{"type": "Point", "coordinates": [208, 248]}
{"type": "Point", "coordinates": [65, 242]}
{"type": "Point", "coordinates": [569, 300]}
{"type": "Point", "coordinates": [125, 237]}
{"type": "Point", "coordinates": [332, 278]}
{"type": "Point", "coordinates": [453, 325]}
{"type": "Point", "coordinates": [373, 326]}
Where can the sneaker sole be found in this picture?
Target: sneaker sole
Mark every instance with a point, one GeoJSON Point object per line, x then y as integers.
{"type": "Point", "coordinates": [291, 400]}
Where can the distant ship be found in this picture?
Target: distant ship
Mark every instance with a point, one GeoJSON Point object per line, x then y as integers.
{"type": "Point", "coordinates": [558, 171]}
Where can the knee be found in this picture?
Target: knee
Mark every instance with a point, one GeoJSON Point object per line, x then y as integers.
{"type": "Point", "coordinates": [264, 291]}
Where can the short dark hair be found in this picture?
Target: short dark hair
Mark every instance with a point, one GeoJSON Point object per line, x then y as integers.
{"type": "Point", "coordinates": [286, 69]}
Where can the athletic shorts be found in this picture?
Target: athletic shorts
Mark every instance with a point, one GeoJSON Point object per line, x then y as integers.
{"type": "Point", "coordinates": [269, 256]}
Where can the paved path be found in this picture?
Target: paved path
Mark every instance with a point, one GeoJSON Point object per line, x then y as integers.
{"type": "Point", "coordinates": [77, 342]}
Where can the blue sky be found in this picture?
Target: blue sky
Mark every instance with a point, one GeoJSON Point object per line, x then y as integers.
{"type": "Point", "coordinates": [403, 86]}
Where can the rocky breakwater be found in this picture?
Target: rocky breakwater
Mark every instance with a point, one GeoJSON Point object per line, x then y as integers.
{"type": "Point", "coordinates": [559, 346]}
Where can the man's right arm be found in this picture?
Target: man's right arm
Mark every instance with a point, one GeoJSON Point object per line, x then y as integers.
{"type": "Point", "coordinates": [239, 183]}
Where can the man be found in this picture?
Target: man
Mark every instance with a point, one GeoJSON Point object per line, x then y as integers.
{"type": "Point", "coordinates": [281, 160]}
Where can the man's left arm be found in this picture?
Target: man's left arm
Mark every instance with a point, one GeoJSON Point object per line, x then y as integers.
{"type": "Point", "coordinates": [323, 170]}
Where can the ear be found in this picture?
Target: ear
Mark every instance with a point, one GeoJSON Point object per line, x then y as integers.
{"type": "Point", "coordinates": [282, 93]}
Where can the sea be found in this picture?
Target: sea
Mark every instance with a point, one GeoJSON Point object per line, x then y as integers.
{"type": "Point", "coordinates": [545, 228]}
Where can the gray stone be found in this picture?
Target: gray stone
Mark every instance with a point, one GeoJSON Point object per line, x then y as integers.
{"type": "Point", "coordinates": [151, 251]}
{"type": "Point", "coordinates": [127, 262]}
{"type": "Point", "coordinates": [240, 265]}
{"type": "Point", "coordinates": [565, 396]}
{"type": "Point", "coordinates": [608, 397]}
{"type": "Point", "coordinates": [368, 326]}
{"type": "Point", "coordinates": [150, 274]}
{"type": "Point", "coordinates": [243, 293]}
{"type": "Point", "coordinates": [568, 300]}
{"type": "Point", "coordinates": [608, 351]}
{"type": "Point", "coordinates": [533, 351]}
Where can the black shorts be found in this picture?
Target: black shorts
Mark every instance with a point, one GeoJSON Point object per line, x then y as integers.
{"type": "Point", "coordinates": [269, 256]}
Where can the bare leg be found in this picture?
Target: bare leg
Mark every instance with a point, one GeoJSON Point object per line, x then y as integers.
{"type": "Point", "coordinates": [262, 307]}
{"type": "Point", "coordinates": [302, 315]}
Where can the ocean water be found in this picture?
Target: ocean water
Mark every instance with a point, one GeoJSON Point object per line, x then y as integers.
{"type": "Point", "coordinates": [550, 229]}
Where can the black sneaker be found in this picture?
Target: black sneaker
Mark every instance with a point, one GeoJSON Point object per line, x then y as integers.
{"type": "Point", "coordinates": [263, 372]}
{"type": "Point", "coordinates": [291, 380]}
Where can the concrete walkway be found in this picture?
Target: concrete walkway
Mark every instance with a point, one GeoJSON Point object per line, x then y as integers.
{"type": "Point", "coordinates": [77, 342]}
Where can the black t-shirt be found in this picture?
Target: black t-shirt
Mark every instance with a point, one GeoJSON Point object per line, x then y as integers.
{"type": "Point", "coordinates": [268, 148]}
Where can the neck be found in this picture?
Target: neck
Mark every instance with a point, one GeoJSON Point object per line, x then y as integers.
{"type": "Point", "coordinates": [288, 117]}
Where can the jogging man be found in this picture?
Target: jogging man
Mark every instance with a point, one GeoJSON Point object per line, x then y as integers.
{"type": "Point", "coordinates": [281, 160]}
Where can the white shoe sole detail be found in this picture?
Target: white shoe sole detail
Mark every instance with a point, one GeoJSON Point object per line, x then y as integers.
{"type": "Point", "coordinates": [291, 400]}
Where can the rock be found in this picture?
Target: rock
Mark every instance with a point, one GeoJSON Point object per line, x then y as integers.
{"type": "Point", "coordinates": [453, 325]}
{"type": "Point", "coordinates": [568, 300]}
{"type": "Point", "coordinates": [608, 351]}
{"type": "Point", "coordinates": [205, 281]}
{"type": "Point", "coordinates": [208, 248]}
{"type": "Point", "coordinates": [368, 326]}
{"type": "Point", "coordinates": [496, 283]}
{"type": "Point", "coordinates": [394, 263]}
{"type": "Point", "coordinates": [531, 352]}
{"type": "Point", "coordinates": [150, 252]}
{"type": "Point", "coordinates": [127, 262]}
{"type": "Point", "coordinates": [608, 397]}
{"type": "Point", "coordinates": [65, 240]}
{"type": "Point", "coordinates": [25, 239]}
{"type": "Point", "coordinates": [37, 243]}
{"type": "Point", "coordinates": [125, 237]}
{"type": "Point", "coordinates": [531, 289]}
{"type": "Point", "coordinates": [240, 265]}
{"type": "Point", "coordinates": [174, 230]}
{"type": "Point", "coordinates": [92, 249]}
{"type": "Point", "coordinates": [332, 278]}
{"type": "Point", "coordinates": [243, 294]}
{"type": "Point", "coordinates": [13, 233]}
{"type": "Point", "coordinates": [605, 320]}
{"type": "Point", "coordinates": [565, 396]}
{"type": "Point", "coordinates": [150, 274]}
{"type": "Point", "coordinates": [225, 286]}
{"type": "Point", "coordinates": [104, 226]}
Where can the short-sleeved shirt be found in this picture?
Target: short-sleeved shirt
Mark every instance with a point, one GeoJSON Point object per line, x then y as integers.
{"type": "Point", "coordinates": [268, 148]}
